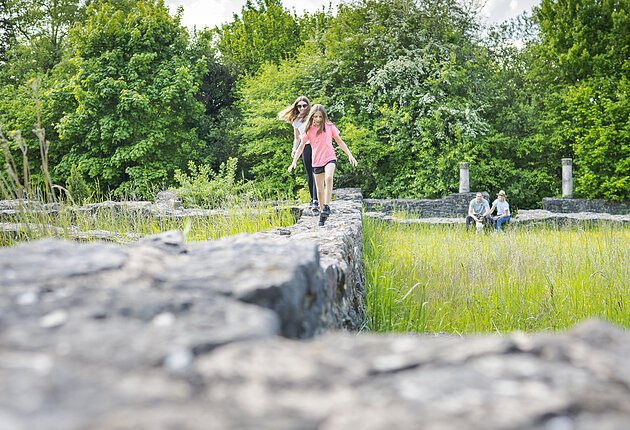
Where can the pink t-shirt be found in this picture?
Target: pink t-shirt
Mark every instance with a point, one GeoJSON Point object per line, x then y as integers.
{"type": "Point", "coordinates": [323, 150]}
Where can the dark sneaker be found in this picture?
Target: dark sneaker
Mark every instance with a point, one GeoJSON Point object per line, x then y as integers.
{"type": "Point", "coordinates": [322, 220]}
{"type": "Point", "coordinates": [315, 210]}
{"type": "Point", "coordinates": [326, 211]}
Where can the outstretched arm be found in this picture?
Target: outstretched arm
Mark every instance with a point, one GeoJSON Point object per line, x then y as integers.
{"type": "Point", "coordinates": [345, 149]}
{"type": "Point", "coordinates": [297, 154]}
{"type": "Point", "coordinates": [296, 141]}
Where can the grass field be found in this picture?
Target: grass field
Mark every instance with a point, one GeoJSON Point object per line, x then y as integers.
{"type": "Point", "coordinates": [440, 279]}
{"type": "Point", "coordinates": [67, 222]}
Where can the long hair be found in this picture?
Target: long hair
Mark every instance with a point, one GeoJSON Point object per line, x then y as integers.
{"type": "Point", "coordinates": [291, 112]}
{"type": "Point", "coordinates": [309, 119]}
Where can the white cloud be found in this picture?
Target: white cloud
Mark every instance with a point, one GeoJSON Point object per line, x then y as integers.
{"type": "Point", "coordinates": [216, 12]}
{"type": "Point", "coordinates": [500, 10]}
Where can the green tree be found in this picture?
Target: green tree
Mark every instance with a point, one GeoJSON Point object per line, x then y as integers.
{"type": "Point", "coordinates": [584, 57]}
{"type": "Point", "coordinates": [264, 32]}
{"type": "Point", "coordinates": [515, 154]}
{"type": "Point", "coordinates": [584, 38]}
{"type": "Point", "coordinates": [6, 31]}
{"type": "Point", "coordinates": [401, 75]}
{"type": "Point", "coordinates": [33, 38]}
{"type": "Point", "coordinates": [218, 128]}
{"type": "Point", "coordinates": [36, 32]}
{"type": "Point", "coordinates": [399, 79]}
{"type": "Point", "coordinates": [134, 89]}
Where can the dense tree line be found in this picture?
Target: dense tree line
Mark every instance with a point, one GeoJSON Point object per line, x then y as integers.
{"type": "Point", "coordinates": [127, 95]}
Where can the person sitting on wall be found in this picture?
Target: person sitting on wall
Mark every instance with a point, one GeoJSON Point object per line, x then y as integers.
{"type": "Point", "coordinates": [503, 211]}
{"type": "Point", "coordinates": [477, 210]}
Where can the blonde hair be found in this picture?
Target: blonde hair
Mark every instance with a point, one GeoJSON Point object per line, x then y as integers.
{"type": "Point", "coordinates": [309, 120]}
{"type": "Point", "coordinates": [291, 112]}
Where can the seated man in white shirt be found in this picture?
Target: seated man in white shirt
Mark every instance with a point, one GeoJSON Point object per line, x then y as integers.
{"type": "Point", "coordinates": [503, 211]}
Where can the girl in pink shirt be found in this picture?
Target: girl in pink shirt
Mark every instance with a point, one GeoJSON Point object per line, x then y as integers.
{"type": "Point", "coordinates": [320, 132]}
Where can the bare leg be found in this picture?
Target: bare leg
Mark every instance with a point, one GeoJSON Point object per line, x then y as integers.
{"type": "Point", "coordinates": [319, 180]}
{"type": "Point", "coordinates": [329, 172]}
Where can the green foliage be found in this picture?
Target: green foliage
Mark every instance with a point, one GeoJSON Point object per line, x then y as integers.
{"type": "Point", "coordinates": [18, 180]}
{"type": "Point", "coordinates": [21, 108]}
{"type": "Point", "coordinates": [218, 128]}
{"type": "Point", "coordinates": [398, 79]}
{"type": "Point", "coordinates": [264, 32]}
{"type": "Point", "coordinates": [595, 118]}
{"type": "Point", "coordinates": [268, 141]}
{"type": "Point", "coordinates": [201, 187]}
{"type": "Point", "coordinates": [79, 190]}
{"type": "Point", "coordinates": [582, 39]}
{"type": "Point", "coordinates": [36, 32]}
{"type": "Point", "coordinates": [135, 88]}
{"type": "Point", "coordinates": [515, 154]}
{"type": "Point", "coordinates": [127, 97]}
{"type": "Point", "coordinates": [216, 90]}
{"type": "Point", "coordinates": [6, 30]}
{"type": "Point", "coordinates": [584, 58]}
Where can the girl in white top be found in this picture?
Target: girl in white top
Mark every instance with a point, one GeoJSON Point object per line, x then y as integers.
{"type": "Point", "coordinates": [296, 114]}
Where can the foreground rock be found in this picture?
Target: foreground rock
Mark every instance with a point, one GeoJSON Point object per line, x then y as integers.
{"type": "Point", "coordinates": [579, 380]}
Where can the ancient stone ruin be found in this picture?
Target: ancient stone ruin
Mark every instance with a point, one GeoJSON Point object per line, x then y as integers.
{"type": "Point", "coordinates": [264, 331]}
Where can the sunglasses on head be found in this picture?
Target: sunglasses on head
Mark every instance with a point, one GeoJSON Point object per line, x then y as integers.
{"type": "Point", "coordinates": [302, 106]}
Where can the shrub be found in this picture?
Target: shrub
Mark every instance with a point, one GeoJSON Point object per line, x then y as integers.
{"type": "Point", "coordinates": [201, 187]}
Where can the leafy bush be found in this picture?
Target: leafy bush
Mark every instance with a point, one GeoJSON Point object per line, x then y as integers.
{"type": "Point", "coordinates": [78, 188]}
{"type": "Point", "coordinates": [201, 187]}
{"type": "Point", "coordinates": [134, 87]}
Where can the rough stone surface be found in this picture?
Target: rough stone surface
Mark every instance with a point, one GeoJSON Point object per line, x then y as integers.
{"type": "Point", "coordinates": [340, 248]}
{"type": "Point", "coordinates": [72, 232]}
{"type": "Point", "coordinates": [544, 216]}
{"type": "Point", "coordinates": [579, 380]}
{"type": "Point", "coordinates": [456, 206]}
{"type": "Point", "coordinates": [168, 200]}
{"type": "Point", "coordinates": [340, 381]}
{"type": "Point", "coordinates": [582, 205]}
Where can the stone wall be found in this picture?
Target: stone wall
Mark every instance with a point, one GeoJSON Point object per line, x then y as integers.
{"type": "Point", "coordinates": [453, 205]}
{"type": "Point", "coordinates": [163, 335]}
{"type": "Point", "coordinates": [524, 218]}
{"type": "Point", "coordinates": [456, 205]}
{"type": "Point", "coordinates": [582, 205]}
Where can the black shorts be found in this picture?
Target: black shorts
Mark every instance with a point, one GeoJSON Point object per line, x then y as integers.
{"type": "Point", "coordinates": [318, 170]}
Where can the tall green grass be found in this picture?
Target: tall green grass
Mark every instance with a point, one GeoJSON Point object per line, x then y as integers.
{"type": "Point", "coordinates": [440, 279]}
{"type": "Point", "coordinates": [67, 221]}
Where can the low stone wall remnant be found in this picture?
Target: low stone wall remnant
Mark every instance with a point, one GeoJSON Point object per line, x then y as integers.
{"type": "Point", "coordinates": [524, 218]}
{"type": "Point", "coordinates": [582, 205]}
{"type": "Point", "coordinates": [453, 205]}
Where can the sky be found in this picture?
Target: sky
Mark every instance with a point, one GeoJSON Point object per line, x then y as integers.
{"type": "Point", "coordinates": [210, 13]}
